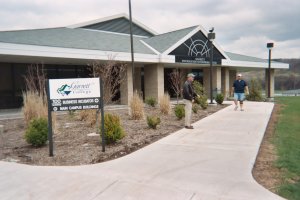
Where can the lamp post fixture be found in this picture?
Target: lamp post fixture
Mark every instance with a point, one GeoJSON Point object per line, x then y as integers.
{"type": "Point", "coordinates": [269, 46]}
{"type": "Point", "coordinates": [131, 45]}
{"type": "Point", "coordinates": [211, 36]}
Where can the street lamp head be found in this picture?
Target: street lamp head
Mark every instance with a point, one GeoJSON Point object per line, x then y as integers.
{"type": "Point", "coordinates": [270, 45]}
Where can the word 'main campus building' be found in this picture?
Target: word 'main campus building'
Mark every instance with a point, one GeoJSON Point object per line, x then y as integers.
{"type": "Point", "coordinates": [66, 52]}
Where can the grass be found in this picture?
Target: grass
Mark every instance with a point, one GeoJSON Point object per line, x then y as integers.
{"type": "Point", "coordinates": [287, 141]}
{"type": "Point", "coordinates": [136, 107]}
{"type": "Point", "coordinates": [164, 104]}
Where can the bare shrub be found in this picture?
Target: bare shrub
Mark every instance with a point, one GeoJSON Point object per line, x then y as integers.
{"type": "Point", "coordinates": [164, 104]}
{"type": "Point", "coordinates": [112, 75]}
{"type": "Point", "coordinates": [136, 107]}
{"type": "Point", "coordinates": [35, 103]}
{"type": "Point", "coordinates": [176, 79]}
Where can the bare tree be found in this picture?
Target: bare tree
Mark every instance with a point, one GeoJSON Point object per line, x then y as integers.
{"type": "Point", "coordinates": [35, 80]}
{"type": "Point", "coordinates": [112, 75]}
{"type": "Point", "coordinates": [176, 80]}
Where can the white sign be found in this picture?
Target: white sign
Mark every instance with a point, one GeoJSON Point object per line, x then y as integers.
{"type": "Point", "coordinates": [74, 88]}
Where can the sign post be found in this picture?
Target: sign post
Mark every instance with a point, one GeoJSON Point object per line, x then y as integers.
{"type": "Point", "coordinates": [71, 95]}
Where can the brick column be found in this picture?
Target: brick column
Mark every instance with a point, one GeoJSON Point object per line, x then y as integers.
{"type": "Point", "coordinates": [232, 78]}
{"type": "Point", "coordinates": [225, 82]}
{"type": "Point", "coordinates": [137, 80]}
{"type": "Point", "coordinates": [216, 82]}
{"type": "Point", "coordinates": [154, 80]}
{"type": "Point", "coordinates": [272, 83]}
{"type": "Point", "coordinates": [126, 88]}
{"type": "Point", "coordinates": [206, 83]}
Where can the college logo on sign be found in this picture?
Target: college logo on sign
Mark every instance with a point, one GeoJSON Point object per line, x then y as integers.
{"type": "Point", "coordinates": [198, 48]}
{"type": "Point", "coordinates": [64, 90]}
{"type": "Point", "coordinates": [74, 88]}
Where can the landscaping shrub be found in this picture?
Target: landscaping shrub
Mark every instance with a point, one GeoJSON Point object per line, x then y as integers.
{"type": "Point", "coordinates": [113, 129]}
{"type": "Point", "coordinates": [179, 111]}
{"type": "Point", "coordinates": [164, 104]}
{"type": "Point", "coordinates": [153, 121]}
{"type": "Point", "coordinates": [254, 91]}
{"type": "Point", "coordinates": [151, 101]}
{"type": "Point", "coordinates": [136, 107]}
{"type": "Point", "coordinates": [202, 101]}
{"type": "Point", "coordinates": [37, 132]}
{"type": "Point", "coordinates": [198, 87]}
{"type": "Point", "coordinates": [195, 108]}
{"type": "Point", "coordinates": [220, 98]}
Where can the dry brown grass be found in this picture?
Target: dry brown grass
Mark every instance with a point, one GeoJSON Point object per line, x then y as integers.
{"type": "Point", "coordinates": [164, 104]}
{"type": "Point", "coordinates": [136, 107]}
{"type": "Point", "coordinates": [89, 116]}
{"type": "Point", "coordinates": [34, 106]}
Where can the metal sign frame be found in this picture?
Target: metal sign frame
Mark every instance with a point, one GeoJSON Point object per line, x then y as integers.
{"type": "Point", "coordinates": [66, 104]}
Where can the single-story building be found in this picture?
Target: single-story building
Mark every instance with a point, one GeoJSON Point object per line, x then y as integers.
{"type": "Point", "coordinates": [66, 52]}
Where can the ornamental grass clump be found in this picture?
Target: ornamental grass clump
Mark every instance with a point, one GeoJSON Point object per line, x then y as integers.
{"type": "Point", "coordinates": [89, 117]}
{"type": "Point", "coordinates": [164, 104]}
{"type": "Point", "coordinates": [153, 121]}
{"type": "Point", "coordinates": [136, 107]}
{"type": "Point", "coordinates": [34, 106]}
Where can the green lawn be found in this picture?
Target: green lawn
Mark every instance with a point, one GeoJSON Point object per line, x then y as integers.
{"type": "Point", "coordinates": [287, 141]}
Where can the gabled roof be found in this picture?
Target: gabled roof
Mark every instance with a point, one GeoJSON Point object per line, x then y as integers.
{"type": "Point", "coordinates": [239, 57]}
{"type": "Point", "coordinates": [118, 24]}
{"type": "Point", "coordinates": [164, 41]}
{"type": "Point", "coordinates": [75, 38]}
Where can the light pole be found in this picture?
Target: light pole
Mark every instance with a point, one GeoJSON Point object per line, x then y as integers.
{"type": "Point", "coordinates": [211, 36]}
{"type": "Point", "coordinates": [269, 46]}
{"type": "Point", "coordinates": [131, 45]}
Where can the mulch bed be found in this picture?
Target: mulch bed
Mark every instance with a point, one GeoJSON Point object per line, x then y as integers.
{"type": "Point", "coordinates": [73, 146]}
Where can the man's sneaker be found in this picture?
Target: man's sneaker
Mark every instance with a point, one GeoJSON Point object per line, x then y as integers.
{"type": "Point", "coordinates": [189, 127]}
{"type": "Point", "coordinates": [236, 107]}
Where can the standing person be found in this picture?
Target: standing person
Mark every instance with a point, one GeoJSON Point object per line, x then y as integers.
{"type": "Point", "coordinates": [188, 98]}
{"type": "Point", "coordinates": [239, 86]}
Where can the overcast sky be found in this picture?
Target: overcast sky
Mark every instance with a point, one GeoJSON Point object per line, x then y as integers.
{"type": "Point", "coordinates": [241, 26]}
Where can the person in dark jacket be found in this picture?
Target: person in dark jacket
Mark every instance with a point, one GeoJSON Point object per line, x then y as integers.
{"type": "Point", "coordinates": [188, 98]}
{"type": "Point", "coordinates": [239, 87]}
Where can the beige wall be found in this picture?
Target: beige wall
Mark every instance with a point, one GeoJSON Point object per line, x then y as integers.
{"type": "Point", "coordinates": [271, 83]}
{"type": "Point", "coordinates": [154, 80]}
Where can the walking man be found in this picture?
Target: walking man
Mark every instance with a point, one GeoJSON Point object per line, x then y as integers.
{"type": "Point", "coordinates": [239, 86]}
{"type": "Point", "coordinates": [188, 98]}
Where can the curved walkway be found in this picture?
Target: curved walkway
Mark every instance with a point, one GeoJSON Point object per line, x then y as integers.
{"type": "Point", "coordinates": [212, 162]}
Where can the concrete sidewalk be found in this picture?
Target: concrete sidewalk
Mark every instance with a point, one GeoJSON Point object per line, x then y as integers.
{"type": "Point", "coordinates": [212, 162]}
